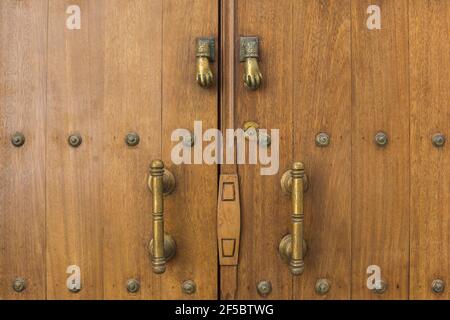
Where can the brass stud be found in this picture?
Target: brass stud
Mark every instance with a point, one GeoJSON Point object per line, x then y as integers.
{"type": "Point", "coordinates": [75, 140]}
{"type": "Point", "coordinates": [322, 139]}
{"type": "Point", "coordinates": [188, 287]}
{"type": "Point", "coordinates": [132, 139]}
{"type": "Point", "coordinates": [133, 285]}
{"type": "Point", "coordinates": [438, 286]}
{"type": "Point", "coordinates": [438, 140]}
{"type": "Point", "coordinates": [251, 130]}
{"type": "Point", "coordinates": [19, 284]}
{"type": "Point", "coordinates": [322, 286]}
{"type": "Point", "coordinates": [381, 139]}
{"type": "Point", "coordinates": [189, 140]}
{"type": "Point", "coordinates": [18, 139]}
{"type": "Point", "coordinates": [264, 288]}
{"type": "Point", "coordinates": [264, 139]}
{"type": "Point", "coordinates": [380, 287]}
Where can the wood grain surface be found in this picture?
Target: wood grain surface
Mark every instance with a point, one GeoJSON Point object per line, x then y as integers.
{"type": "Point", "coordinates": [430, 180]}
{"type": "Point", "coordinates": [23, 61]}
{"type": "Point", "coordinates": [380, 175]}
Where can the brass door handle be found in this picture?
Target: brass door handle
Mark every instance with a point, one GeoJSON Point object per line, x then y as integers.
{"type": "Point", "coordinates": [292, 247]}
{"type": "Point", "coordinates": [162, 247]}
{"type": "Point", "coordinates": [204, 55]}
{"type": "Point", "coordinates": [249, 55]}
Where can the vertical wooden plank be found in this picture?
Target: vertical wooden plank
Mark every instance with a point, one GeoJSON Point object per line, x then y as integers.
{"type": "Point", "coordinates": [380, 175]}
{"type": "Point", "coordinates": [132, 93]}
{"type": "Point", "coordinates": [191, 210]}
{"type": "Point", "coordinates": [322, 103]}
{"type": "Point", "coordinates": [430, 180]}
{"type": "Point", "coordinates": [74, 175]}
{"type": "Point", "coordinates": [23, 61]}
{"type": "Point", "coordinates": [265, 210]}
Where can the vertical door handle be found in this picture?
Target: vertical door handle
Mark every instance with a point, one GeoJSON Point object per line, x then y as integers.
{"type": "Point", "coordinates": [204, 55]}
{"type": "Point", "coordinates": [292, 247]}
{"type": "Point", "coordinates": [249, 55]}
{"type": "Point", "coordinates": [162, 246]}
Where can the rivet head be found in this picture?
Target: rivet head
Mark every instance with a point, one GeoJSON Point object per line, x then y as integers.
{"type": "Point", "coordinates": [380, 287]}
{"type": "Point", "coordinates": [322, 286]}
{"type": "Point", "coordinates": [381, 139]}
{"type": "Point", "coordinates": [251, 130]}
{"type": "Point", "coordinates": [438, 286]}
{"type": "Point", "coordinates": [188, 287]}
{"type": "Point", "coordinates": [75, 140]}
{"type": "Point", "coordinates": [132, 139]}
{"type": "Point", "coordinates": [19, 284]}
{"type": "Point", "coordinates": [438, 140]}
{"type": "Point", "coordinates": [189, 140]}
{"type": "Point", "coordinates": [133, 285]}
{"type": "Point", "coordinates": [264, 288]}
{"type": "Point", "coordinates": [264, 139]}
{"type": "Point", "coordinates": [17, 139]}
{"type": "Point", "coordinates": [322, 139]}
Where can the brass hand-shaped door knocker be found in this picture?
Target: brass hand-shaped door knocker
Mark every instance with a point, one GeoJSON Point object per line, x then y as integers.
{"type": "Point", "coordinates": [249, 55]}
{"type": "Point", "coordinates": [205, 55]}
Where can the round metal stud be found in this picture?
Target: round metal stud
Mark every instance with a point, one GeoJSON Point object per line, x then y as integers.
{"type": "Point", "coordinates": [438, 140]}
{"type": "Point", "coordinates": [19, 284]}
{"type": "Point", "coordinates": [264, 288]}
{"type": "Point", "coordinates": [133, 285]}
{"type": "Point", "coordinates": [17, 139]}
{"type": "Point", "coordinates": [380, 287]}
{"type": "Point", "coordinates": [189, 140]}
{"type": "Point", "coordinates": [188, 287]}
{"type": "Point", "coordinates": [264, 139]}
{"type": "Point", "coordinates": [251, 130]}
{"type": "Point", "coordinates": [322, 139]}
{"type": "Point", "coordinates": [132, 139]}
{"type": "Point", "coordinates": [322, 286]}
{"type": "Point", "coordinates": [75, 140]}
{"type": "Point", "coordinates": [381, 139]}
{"type": "Point", "coordinates": [438, 286]}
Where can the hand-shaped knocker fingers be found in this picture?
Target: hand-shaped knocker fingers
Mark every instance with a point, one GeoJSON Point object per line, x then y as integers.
{"type": "Point", "coordinates": [249, 55]}
{"type": "Point", "coordinates": [205, 55]}
{"type": "Point", "coordinates": [252, 74]}
{"type": "Point", "coordinates": [204, 74]}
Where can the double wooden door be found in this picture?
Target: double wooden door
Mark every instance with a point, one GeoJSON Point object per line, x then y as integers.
{"type": "Point", "coordinates": [335, 75]}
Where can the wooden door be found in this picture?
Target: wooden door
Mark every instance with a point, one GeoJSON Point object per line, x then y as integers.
{"type": "Point", "coordinates": [130, 67]}
{"type": "Point", "coordinates": [358, 90]}
{"type": "Point", "coordinates": [349, 69]}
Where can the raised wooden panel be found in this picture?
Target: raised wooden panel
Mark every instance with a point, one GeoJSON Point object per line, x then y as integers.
{"type": "Point", "coordinates": [430, 177]}
{"type": "Point", "coordinates": [322, 104]}
{"type": "Point", "coordinates": [380, 175]}
{"type": "Point", "coordinates": [23, 60]}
